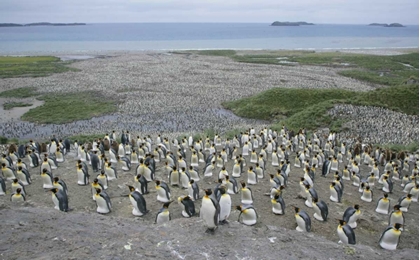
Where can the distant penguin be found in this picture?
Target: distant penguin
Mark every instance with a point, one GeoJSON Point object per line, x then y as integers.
{"type": "Point", "coordinates": [125, 163]}
{"type": "Point", "coordinates": [231, 185]}
{"type": "Point", "coordinates": [184, 178]}
{"type": "Point", "coordinates": [390, 238]}
{"type": "Point", "coordinates": [140, 184]}
{"type": "Point", "coordinates": [94, 186]}
{"type": "Point", "coordinates": [2, 187]}
{"type": "Point", "coordinates": [111, 172]}
{"type": "Point", "coordinates": [396, 216]}
{"type": "Point", "coordinates": [193, 190]}
{"type": "Point", "coordinates": [60, 200]}
{"type": "Point", "coordinates": [252, 176]}
{"type": "Point", "coordinates": [351, 215]}
{"type": "Point", "coordinates": [326, 166]}
{"type": "Point", "coordinates": [60, 184]}
{"type": "Point", "coordinates": [404, 202]}
{"type": "Point", "coordinates": [345, 233]}
{"type": "Point", "coordinates": [95, 162]}
{"type": "Point", "coordinates": [163, 215]}
{"type": "Point", "coordinates": [103, 202]}
{"type": "Point", "coordinates": [278, 205]}
{"type": "Point", "coordinates": [321, 210]}
{"type": "Point", "coordinates": [82, 176]}
{"type": "Point", "coordinates": [103, 179]}
{"type": "Point", "coordinates": [210, 211]}
{"type": "Point", "coordinates": [414, 191]}
{"type": "Point", "coordinates": [367, 194]}
{"type": "Point", "coordinates": [387, 185]}
{"type": "Point", "coordinates": [174, 177]}
{"type": "Point", "coordinates": [47, 179]}
{"type": "Point", "coordinates": [16, 184]}
{"type": "Point", "coordinates": [23, 175]}
{"type": "Point", "coordinates": [17, 196]}
{"type": "Point", "coordinates": [248, 215]}
{"type": "Point", "coordinates": [188, 208]}
{"type": "Point", "coordinates": [8, 172]}
{"type": "Point", "coordinates": [383, 206]}
{"type": "Point", "coordinates": [163, 192]}
{"type": "Point", "coordinates": [246, 194]}
{"type": "Point", "coordinates": [225, 203]}
{"type": "Point", "coordinates": [303, 220]}
{"type": "Point", "coordinates": [137, 201]}
{"type": "Point", "coordinates": [335, 193]}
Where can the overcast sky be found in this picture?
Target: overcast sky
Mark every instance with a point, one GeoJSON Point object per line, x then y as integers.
{"type": "Point", "coordinates": [260, 11]}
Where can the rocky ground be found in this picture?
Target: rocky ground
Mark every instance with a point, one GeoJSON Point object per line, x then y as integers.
{"type": "Point", "coordinates": [35, 230]}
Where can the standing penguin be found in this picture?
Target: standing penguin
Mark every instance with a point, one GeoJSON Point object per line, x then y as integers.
{"type": "Point", "coordinates": [16, 184]}
{"type": "Point", "coordinates": [2, 186]}
{"type": "Point", "coordinates": [193, 190]}
{"type": "Point", "coordinates": [367, 194]}
{"type": "Point", "coordinates": [390, 238]}
{"type": "Point", "coordinates": [210, 211]}
{"type": "Point", "coordinates": [225, 203]}
{"type": "Point", "coordinates": [303, 220]}
{"type": "Point", "coordinates": [96, 185]}
{"type": "Point", "coordinates": [351, 215]}
{"type": "Point", "coordinates": [103, 179]}
{"type": "Point", "coordinates": [326, 166]}
{"type": "Point", "coordinates": [140, 184]}
{"type": "Point", "coordinates": [249, 215]}
{"type": "Point", "coordinates": [278, 205]}
{"type": "Point", "coordinates": [23, 175]}
{"type": "Point", "coordinates": [188, 208]}
{"type": "Point", "coordinates": [396, 216]}
{"type": "Point", "coordinates": [60, 199]}
{"type": "Point", "coordinates": [103, 202]}
{"type": "Point", "coordinates": [82, 176]}
{"type": "Point", "coordinates": [345, 233]}
{"type": "Point", "coordinates": [383, 206]}
{"type": "Point", "coordinates": [17, 196]}
{"type": "Point", "coordinates": [163, 215]}
{"type": "Point", "coordinates": [60, 184]}
{"type": "Point", "coordinates": [404, 202]}
{"type": "Point", "coordinates": [137, 201]}
{"type": "Point", "coordinates": [335, 192]}
{"type": "Point", "coordinates": [231, 185]}
{"type": "Point", "coordinates": [47, 179]}
{"type": "Point", "coordinates": [246, 194]}
{"type": "Point", "coordinates": [163, 192]}
{"type": "Point", "coordinates": [321, 210]}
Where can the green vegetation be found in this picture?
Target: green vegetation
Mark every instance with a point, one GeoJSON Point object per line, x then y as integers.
{"type": "Point", "coordinates": [86, 138]}
{"type": "Point", "coordinates": [10, 105]}
{"type": "Point", "coordinates": [64, 108]}
{"type": "Point", "coordinates": [413, 147]}
{"type": "Point", "coordinates": [31, 66]}
{"type": "Point", "coordinates": [19, 93]}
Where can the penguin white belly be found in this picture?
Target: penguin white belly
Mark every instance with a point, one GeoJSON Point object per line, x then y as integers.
{"type": "Point", "coordinates": [301, 225]}
{"type": "Point", "coordinates": [9, 175]}
{"type": "Point", "coordinates": [383, 207]}
{"type": "Point", "coordinates": [194, 176]}
{"type": "Point", "coordinates": [229, 187]}
{"type": "Point", "coordinates": [276, 208]}
{"type": "Point", "coordinates": [147, 174]}
{"type": "Point", "coordinates": [353, 220]}
{"type": "Point", "coordinates": [249, 217]}
{"type": "Point", "coordinates": [343, 238]}
{"type": "Point", "coordinates": [236, 171]}
{"type": "Point", "coordinates": [22, 178]}
{"type": "Point", "coordinates": [110, 173]}
{"type": "Point", "coordinates": [47, 181]}
{"type": "Point", "coordinates": [367, 196]}
{"type": "Point", "coordinates": [124, 166]}
{"type": "Point", "coordinates": [194, 161]}
{"type": "Point", "coordinates": [207, 213]}
{"type": "Point", "coordinates": [161, 195]}
{"type": "Point", "coordinates": [104, 182]}
{"type": "Point", "coordinates": [246, 196]}
{"type": "Point", "coordinates": [174, 179]}
{"type": "Point", "coordinates": [252, 178]}
{"type": "Point", "coordinates": [162, 217]}
{"type": "Point", "coordinates": [52, 164]}
{"type": "Point", "coordinates": [396, 219]}
{"type": "Point", "coordinates": [405, 204]}
{"type": "Point", "coordinates": [308, 201]}
{"type": "Point", "coordinates": [80, 178]}
{"type": "Point", "coordinates": [333, 195]}
{"type": "Point", "coordinates": [389, 240]}
{"type": "Point", "coordinates": [136, 211]}
{"type": "Point", "coordinates": [56, 202]}
{"type": "Point", "coordinates": [317, 214]}
{"type": "Point", "coordinates": [225, 207]}
{"type": "Point", "coordinates": [184, 180]}
{"type": "Point", "coordinates": [209, 171]}
{"type": "Point", "coordinates": [102, 206]}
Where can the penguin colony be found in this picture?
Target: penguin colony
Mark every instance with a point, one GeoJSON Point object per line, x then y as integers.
{"type": "Point", "coordinates": [224, 170]}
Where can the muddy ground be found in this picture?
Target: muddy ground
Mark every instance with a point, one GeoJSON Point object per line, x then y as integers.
{"type": "Point", "coordinates": [35, 230]}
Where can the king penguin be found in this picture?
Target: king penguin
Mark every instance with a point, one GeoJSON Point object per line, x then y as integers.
{"type": "Point", "coordinates": [17, 196]}
{"type": "Point", "coordinates": [47, 179]}
{"type": "Point", "coordinates": [246, 194]}
{"type": "Point", "coordinates": [2, 186]}
{"type": "Point", "coordinates": [23, 175]}
{"type": "Point", "coordinates": [137, 201]}
{"type": "Point", "coordinates": [210, 211]}
{"type": "Point", "coordinates": [249, 215]}
{"type": "Point", "coordinates": [60, 184]}
{"type": "Point", "coordinates": [303, 220]}
{"type": "Point", "coordinates": [383, 206]}
{"type": "Point", "coordinates": [404, 202]}
{"type": "Point", "coordinates": [163, 192]}
{"type": "Point", "coordinates": [351, 215]}
{"type": "Point", "coordinates": [60, 200]}
{"type": "Point", "coordinates": [396, 216]}
{"type": "Point", "coordinates": [225, 203]}
{"type": "Point", "coordinates": [345, 233]}
{"type": "Point", "coordinates": [188, 208]}
{"type": "Point", "coordinates": [193, 190]}
{"type": "Point", "coordinates": [278, 205]}
{"type": "Point", "coordinates": [390, 238]}
{"type": "Point", "coordinates": [321, 210]}
{"type": "Point", "coordinates": [103, 202]}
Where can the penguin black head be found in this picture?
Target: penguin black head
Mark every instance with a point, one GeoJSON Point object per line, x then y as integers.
{"type": "Point", "coordinates": [15, 180]}
{"type": "Point", "coordinates": [54, 190]}
{"type": "Point", "coordinates": [357, 206]}
{"type": "Point", "coordinates": [45, 159]}
{"type": "Point", "coordinates": [333, 184]}
{"type": "Point", "coordinates": [409, 196]}
{"type": "Point", "coordinates": [191, 181]}
{"type": "Point", "coordinates": [342, 222]}
{"type": "Point", "coordinates": [397, 207]}
{"type": "Point", "coordinates": [239, 208]}
{"type": "Point", "coordinates": [44, 170]}
{"type": "Point", "coordinates": [276, 196]}
{"type": "Point", "coordinates": [220, 181]}
{"type": "Point", "coordinates": [79, 166]}
{"type": "Point", "coordinates": [315, 200]}
{"type": "Point", "coordinates": [297, 209]}
{"type": "Point", "coordinates": [102, 172]}
{"type": "Point", "coordinates": [131, 188]}
{"type": "Point", "coordinates": [98, 190]}
{"type": "Point", "coordinates": [367, 188]}
{"type": "Point", "coordinates": [397, 226]}
{"type": "Point", "coordinates": [56, 179]}
{"type": "Point", "coordinates": [243, 184]}
{"type": "Point", "coordinates": [208, 192]}
{"type": "Point", "coordinates": [18, 190]}
{"type": "Point", "coordinates": [308, 186]}
{"type": "Point", "coordinates": [166, 204]}
{"type": "Point", "coordinates": [95, 180]}
{"type": "Point", "coordinates": [157, 182]}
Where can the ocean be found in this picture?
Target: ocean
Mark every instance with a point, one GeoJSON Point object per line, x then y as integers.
{"type": "Point", "coordinates": [181, 36]}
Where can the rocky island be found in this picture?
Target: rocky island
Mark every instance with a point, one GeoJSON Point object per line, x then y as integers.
{"type": "Point", "coordinates": [39, 24]}
{"type": "Point", "coordinates": [387, 25]}
{"type": "Point", "coordinates": [277, 23]}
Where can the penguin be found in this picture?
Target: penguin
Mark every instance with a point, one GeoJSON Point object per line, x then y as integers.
{"type": "Point", "coordinates": [111, 172]}
{"type": "Point", "coordinates": [208, 170]}
{"type": "Point", "coordinates": [210, 211]}
{"type": "Point", "coordinates": [345, 173]}
{"type": "Point", "coordinates": [345, 233]}
{"type": "Point", "coordinates": [16, 184]}
{"type": "Point", "coordinates": [193, 190]}
{"type": "Point", "coordinates": [33, 159]}
{"type": "Point", "coordinates": [387, 185]}
{"type": "Point", "coordinates": [404, 202]}
{"type": "Point", "coordinates": [246, 194]}
{"type": "Point", "coordinates": [103, 179]}
{"type": "Point", "coordinates": [390, 238]}
{"type": "Point", "coordinates": [96, 185]}
{"type": "Point", "coordinates": [95, 162]}
{"type": "Point", "coordinates": [22, 164]}
{"type": "Point", "coordinates": [249, 215]}
{"type": "Point", "coordinates": [232, 185]}
{"type": "Point", "coordinates": [184, 178]}
{"type": "Point", "coordinates": [188, 208]}
{"type": "Point", "coordinates": [351, 215]}
{"type": "Point", "coordinates": [137, 201]}
{"type": "Point", "coordinates": [2, 186]}
{"type": "Point", "coordinates": [326, 166]}
{"type": "Point", "coordinates": [163, 192]}
{"type": "Point", "coordinates": [60, 200]}
{"type": "Point", "coordinates": [82, 176]}
{"type": "Point", "coordinates": [60, 184]}
{"type": "Point", "coordinates": [321, 210]}
{"type": "Point", "coordinates": [335, 192]}
{"type": "Point", "coordinates": [47, 179]}
{"type": "Point", "coordinates": [8, 172]}
{"type": "Point", "coordinates": [310, 195]}
{"type": "Point", "coordinates": [383, 206]}
{"type": "Point", "coordinates": [367, 194]}
{"type": "Point", "coordinates": [252, 176]}
{"type": "Point", "coordinates": [23, 175]}
{"type": "Point", "coordinates": [414, 193]}
{"type": "Point", "coordinates": [125, 163]}
{"type": "Point", "coordinates": [237, 169]}
{"type": "Point", "coordinates": [225, 203]}
{"type": "Point", "coordinates": [17, 196]}
{"type": "Point", "coordinates": [103, 202]}
{"type": "Point", "coordinates": [59, 155]}
{"type": "Point", "coordinates": [303, 220]}
{"type": "Point", "coordinates": [140, 184]}
{"type": "Point", "coordinates": [278, 205]}
{"type": "Point", "coordinates": [174, 177]}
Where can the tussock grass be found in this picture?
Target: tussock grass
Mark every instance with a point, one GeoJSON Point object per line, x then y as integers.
{"type": "Point", "coordinates": [11, 105]}
{"type": "Point", "coordinates": [19, 93]}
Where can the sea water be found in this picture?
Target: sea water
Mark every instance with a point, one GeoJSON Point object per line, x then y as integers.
{"type": "Point", "coordinates": [181, 36]}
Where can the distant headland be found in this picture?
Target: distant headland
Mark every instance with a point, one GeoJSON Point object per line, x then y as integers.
{"type": "Point", "coordinates": [277, 23]}
{"type": "Point", "coordinates": [39, 24]}
{"type": "Point", "coordinates": [387, 25]}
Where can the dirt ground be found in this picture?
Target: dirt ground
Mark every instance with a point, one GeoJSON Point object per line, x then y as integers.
{"type": "Point", "coordinates": [35, 230]}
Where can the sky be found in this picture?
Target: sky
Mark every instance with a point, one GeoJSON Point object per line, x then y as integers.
{"type": "Point", "coordinates": [253, 11]}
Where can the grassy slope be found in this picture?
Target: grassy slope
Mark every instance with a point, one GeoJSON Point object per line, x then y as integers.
{"type": "Point", "coordinates": [10, 105]}
{"type": "Point", "coordinates": [33, 66]}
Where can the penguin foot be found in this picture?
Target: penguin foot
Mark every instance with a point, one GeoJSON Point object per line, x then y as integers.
{"type": "Point", "coordinates": [210, 231]}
